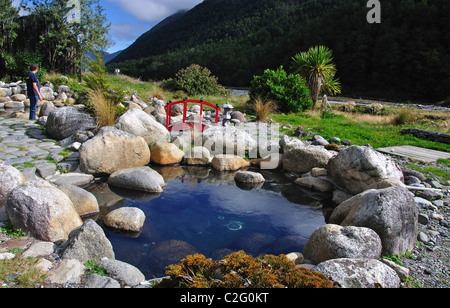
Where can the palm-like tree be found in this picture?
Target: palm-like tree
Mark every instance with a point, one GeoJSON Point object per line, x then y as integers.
{"type": "Point", "coordinates": [331, 85]}
{"type": "Point", "coordinates": [315, 66]}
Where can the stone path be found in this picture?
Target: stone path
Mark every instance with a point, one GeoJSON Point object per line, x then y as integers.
{"type": "Point", "coordinates": [24, 145]}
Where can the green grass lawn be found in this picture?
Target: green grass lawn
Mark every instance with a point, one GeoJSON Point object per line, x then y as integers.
{"type": "Point", "coordinates": [361, 129]}
{"type": "Point", "coordinates": [360, 132]}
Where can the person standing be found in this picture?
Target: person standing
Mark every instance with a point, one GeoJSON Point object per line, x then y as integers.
{"type": "Point", "coordinates": [34, 90]}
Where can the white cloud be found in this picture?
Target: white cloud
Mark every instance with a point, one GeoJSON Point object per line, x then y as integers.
{"type": "Point", "coordinates": [154, 10]}
{"type": "Point", "coordinates": [126, 31]}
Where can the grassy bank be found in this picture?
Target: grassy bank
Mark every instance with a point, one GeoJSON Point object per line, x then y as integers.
{"type": "Point", "coordinates": [377, 125]}
{"type": "Point", "coordinates": [377, 130]}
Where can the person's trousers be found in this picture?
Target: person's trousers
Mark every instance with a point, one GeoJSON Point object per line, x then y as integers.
{"type": "Point", "coordinates": [33, 107]}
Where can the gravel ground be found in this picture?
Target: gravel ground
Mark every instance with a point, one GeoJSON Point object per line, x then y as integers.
{"type": "Point", "coordinates": [429, 261]}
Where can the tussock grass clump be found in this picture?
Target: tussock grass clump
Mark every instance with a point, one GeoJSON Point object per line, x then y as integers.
{"type": "Point", "coordinates": [263, 108]}
{"type": "Point", "coordinates": [105, 111]}
{"type": "Point", "coordinates": [404, 116]}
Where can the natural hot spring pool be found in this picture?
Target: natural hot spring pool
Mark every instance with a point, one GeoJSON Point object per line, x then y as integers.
{"type": "Point", "coordinates": [202, 211]}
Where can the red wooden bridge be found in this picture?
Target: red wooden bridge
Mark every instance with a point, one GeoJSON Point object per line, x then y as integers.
{"type": "Point", "coordinates": [186, 124]}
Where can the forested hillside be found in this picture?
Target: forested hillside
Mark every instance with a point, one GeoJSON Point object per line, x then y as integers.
{"type": "Point", "coordinates": [405, 57]}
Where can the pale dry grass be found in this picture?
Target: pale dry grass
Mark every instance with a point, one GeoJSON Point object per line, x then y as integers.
{"type": "Point", "coordinates": [369, 118]}
{"type": "Point", "coordinates": [158, 93]}
{"type": "Point", "coordinates": [263, 108]}
{"type": "Point", "coordinates": [105, 112]}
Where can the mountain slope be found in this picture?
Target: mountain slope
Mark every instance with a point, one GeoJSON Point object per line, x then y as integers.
{"type": "Point", "coordinates": [148, 42]}
{"type": "Point", "coordinates": [404, 57]}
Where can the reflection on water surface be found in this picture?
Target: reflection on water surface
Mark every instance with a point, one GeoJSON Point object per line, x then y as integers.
{"type": "Point", "coordinates": [203, 211]}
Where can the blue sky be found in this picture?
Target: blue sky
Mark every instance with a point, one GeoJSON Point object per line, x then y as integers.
{"type": "Point", "coordinates": [131, 18]}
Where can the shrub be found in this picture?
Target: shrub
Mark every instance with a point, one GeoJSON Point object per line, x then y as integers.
{"type": "Point", "coordinates": [97, 79]}
{"type": "Point", "coordinates": [404, 116]}
{"type": "Point", "coordinates": [103, 102]}
{"type": "Point", "coordinates": [195, 80]}
{"type": "Point", "coordinates": [19, 64]}
{"type": "Point", "coordinates": [288, 91]}
{"type": "Point", "coordinates": [240, 270]}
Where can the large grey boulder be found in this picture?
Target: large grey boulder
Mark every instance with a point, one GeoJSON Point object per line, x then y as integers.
{"type": "Point", "coordinates": [286, 143]}
{"type": "Point", "coordinates": [10, 178]}
{"type": "Point", "coordinates": [164, 153]}
{"type": "Point", "coordinates": [18, 97]}
{"type": "Point", "coordinates": [128, 219]}
{"type": "Point", "coordinates": [322, 183]}
{"type": "Point", "coordinates": [5, 92]}
{"type": "Point", "coordinates": [334, 242]}
{"type": "Point", "coordinates": [47, 93]}
{"type": "Point", "coordinates": [123, 272]}
{"type": "Point", "coordinates": [303, 159]}
{"type": "Point", "coordinates": [392, 213]}
{"type": "Point", "coordinates": [229, 163]}
{"type": "Point", "coordinates": [359, 273]}
{"type": "Point", "coordinates": [357, 167]}
{"type": "Point", "coordinates": [85, 203]}
{"type": "Point", "coordinates": [228, 140]}
{"type": "Point", "coordinates": [249, 177]}
{"type": "Point", "coordinates": [96, 281]}
{"type": "Point", "coordinates": [139, 123]}
{"type": "Point", "coordinates": [42, 210]}
{"type": "Point", "coordinates": [67, 271]}
{"type": "Point", "coordinates": [66, 121]}
{"type": "Point", "coordinates": [113, 150]}
{"type": "Point", "coordinates": [88, 242]}
{"type": "Point", "coordinates": [63, 89]}
{"type": "Point", "coordinates": [46, 109]}
{"type": "Point", "coordinates": [140, 178]}
{"type": "Point", "coordinates": [197, 156]}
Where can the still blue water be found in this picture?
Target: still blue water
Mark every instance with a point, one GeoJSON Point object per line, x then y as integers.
{"type": "Point", "coordinates": [214, 217]}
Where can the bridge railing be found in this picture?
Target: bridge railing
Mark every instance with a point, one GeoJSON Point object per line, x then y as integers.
{"type": "Point", "coordinates": [183, 126]}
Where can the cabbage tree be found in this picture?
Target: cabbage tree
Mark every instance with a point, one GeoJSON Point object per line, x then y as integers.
{"type": "Point", "coordinates": [316, 66]}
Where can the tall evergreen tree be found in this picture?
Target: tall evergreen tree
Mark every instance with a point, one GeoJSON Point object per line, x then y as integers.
{"type": "Point", "coordinates": [65, 40]}
{"type": "Point", "coordinates": [8, 25]}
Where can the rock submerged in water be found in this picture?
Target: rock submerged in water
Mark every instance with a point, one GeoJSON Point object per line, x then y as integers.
{"type": "Point", "coordinates": [169, 252]}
